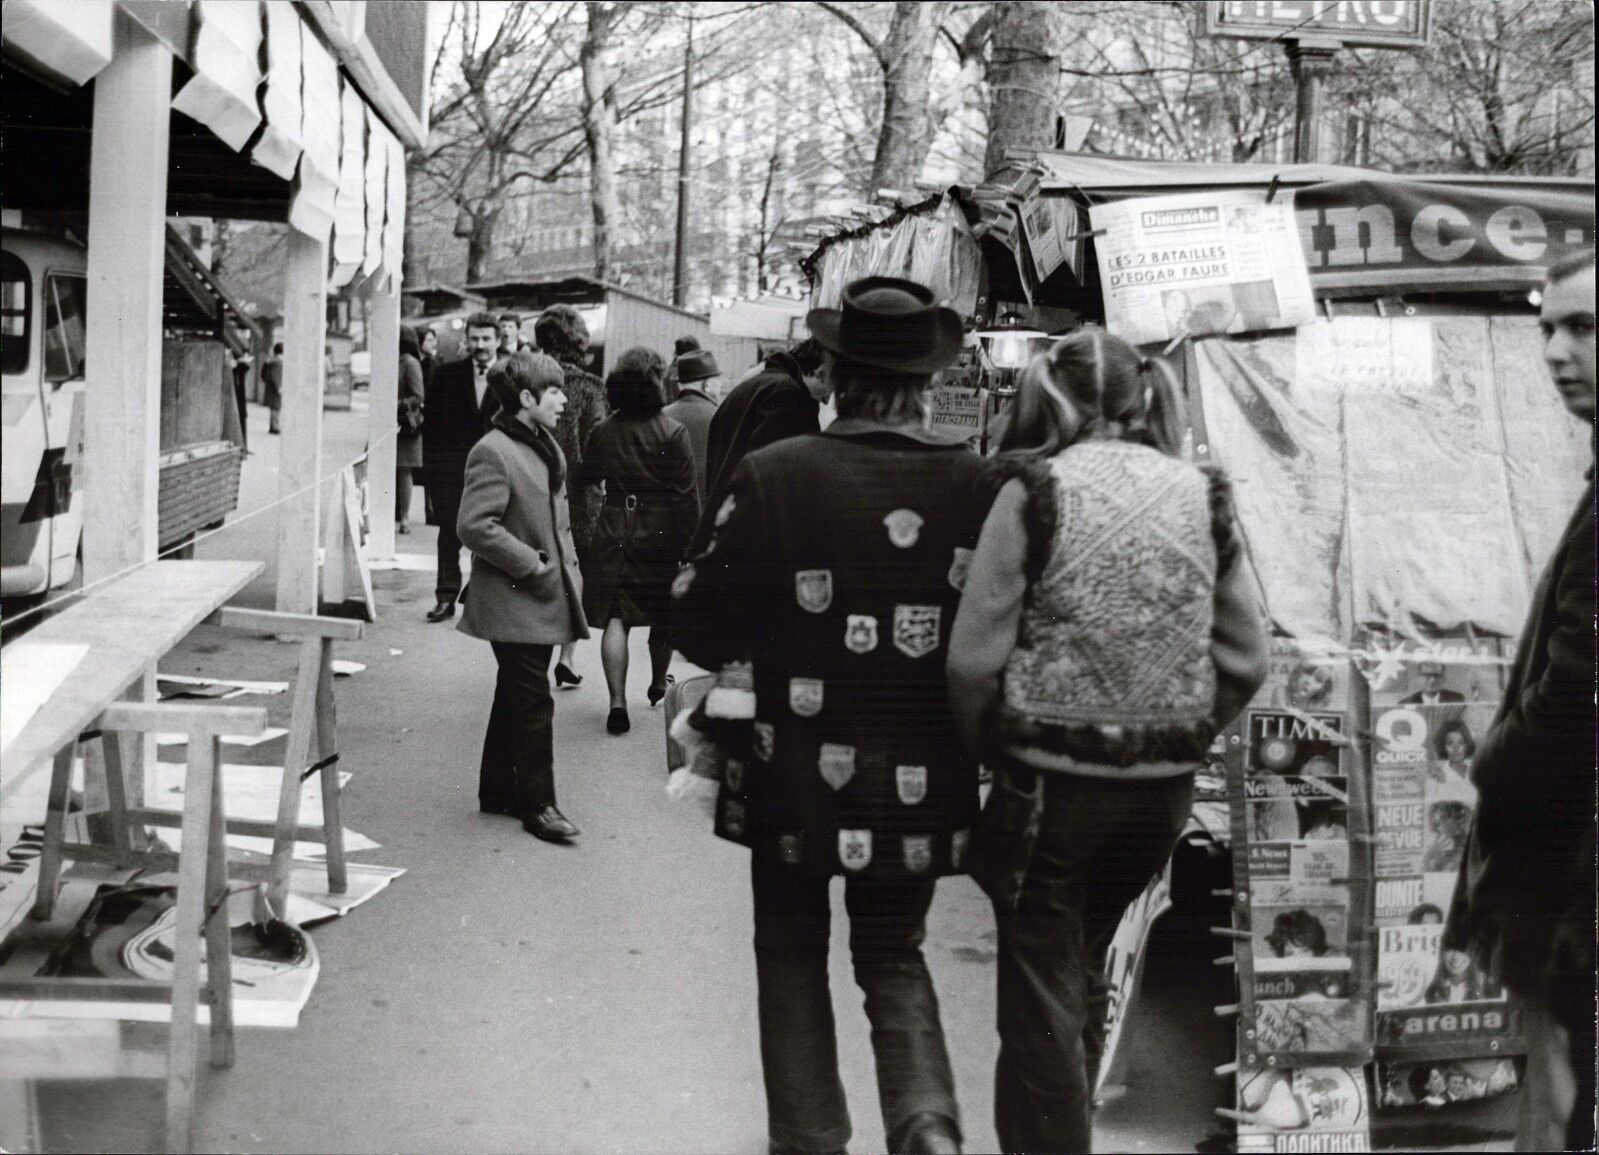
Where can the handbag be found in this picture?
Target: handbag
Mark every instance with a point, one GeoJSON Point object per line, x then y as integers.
{"type": "Point", "coordinates": [409, 416]}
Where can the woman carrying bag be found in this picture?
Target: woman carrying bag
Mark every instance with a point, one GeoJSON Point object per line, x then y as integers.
{"type": "Point", "coordinates": [1105, 635]}
{"type": "Point", "coordinates": [646, 462]}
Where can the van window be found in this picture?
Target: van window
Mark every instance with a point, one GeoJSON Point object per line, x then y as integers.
{"type": "Point", "coordinates": [64, 318]}
{"type": "Point", "coordinates": [14, 314]}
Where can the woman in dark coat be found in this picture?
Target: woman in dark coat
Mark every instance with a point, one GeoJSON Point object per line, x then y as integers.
{"type": "Point", "coordinates": [408, 449]}
{"type": "Point", "coordinates": [646, 463]}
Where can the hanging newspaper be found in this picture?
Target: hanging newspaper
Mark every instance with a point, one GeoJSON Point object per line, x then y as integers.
{"type": "Point", "coordinates": [1201, 264]}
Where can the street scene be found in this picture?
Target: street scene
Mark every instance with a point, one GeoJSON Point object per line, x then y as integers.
{"type": "Point", "coordinates": [797, 577]}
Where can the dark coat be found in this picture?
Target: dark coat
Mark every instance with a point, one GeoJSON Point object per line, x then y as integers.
{"type": "Point", "coordinates": [272, 383]}
{"type": "Point", "coordinates": [453, 420]}
{"type": "Point", "coordinates": [764, 409]}
{"type": "Point", "coordinates": [586, 407]}
{"type": "Point", "coordinates": [413, 396]}
{"type": "Point", "coordinates": [633, 555]}
{"type": "Point", "coordinates": [1525, 903]}
{"type": "Point", "coordinates": [694, 410]}
{"type": "Point", "coordinates": [833, 566]}
{"type": "Point", "coordinates": [526, 586]}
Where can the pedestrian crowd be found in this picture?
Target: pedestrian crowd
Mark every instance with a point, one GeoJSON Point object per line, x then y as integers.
{"type": "Point", "coordinates": [884, 611]}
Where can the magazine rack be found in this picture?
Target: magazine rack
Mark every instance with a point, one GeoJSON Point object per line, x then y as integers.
{"type": "Point", "coordinates": [202, 893]}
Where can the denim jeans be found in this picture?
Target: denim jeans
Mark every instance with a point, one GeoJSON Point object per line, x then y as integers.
{"type": "Point", "coordinates": [799, 1056]}
{"type": "Point", "coordinates": [1062, 856]}
{"type": "Point", "coordinates": [518, 767]}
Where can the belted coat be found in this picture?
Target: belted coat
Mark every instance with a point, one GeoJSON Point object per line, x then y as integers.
{"type": "Point", "coordinates": [834, 564]}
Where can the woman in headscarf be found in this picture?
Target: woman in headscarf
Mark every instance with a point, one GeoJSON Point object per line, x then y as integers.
{"type": "Point", "coordinates": [408, 448]}
{"type": "Point", "coordinates": [1104, 637]}
{"type": "Point", "coordinates": [646, 463]}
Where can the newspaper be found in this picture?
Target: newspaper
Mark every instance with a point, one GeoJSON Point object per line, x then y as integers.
{"type": "Point", "coordinates": [1200, 264]}
{"type": "Point", "coordinates": [1306, 1109]}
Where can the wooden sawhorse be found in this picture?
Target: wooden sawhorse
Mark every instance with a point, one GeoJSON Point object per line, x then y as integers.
{"type": "Point", "coordinates": [202, 899]}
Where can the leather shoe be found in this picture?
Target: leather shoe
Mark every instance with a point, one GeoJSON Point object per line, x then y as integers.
{"type": "Point", "coordinates": [550, 825]}
{"type": "Point", "coordinates": [443, 611]}
{"type": "Point", "coordinates": [929, 1134]}
{"type": "Point", "coordinates": [564, 676]}
{"type": "Point", "coordinates": [616, 721]}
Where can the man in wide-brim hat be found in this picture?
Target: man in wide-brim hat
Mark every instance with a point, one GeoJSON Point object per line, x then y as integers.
{"type": "Point", "coordinates": [834, 566]}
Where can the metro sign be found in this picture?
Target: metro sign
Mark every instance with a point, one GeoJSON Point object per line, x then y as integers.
{"type": "Point", "coordinates": [1373, 23]}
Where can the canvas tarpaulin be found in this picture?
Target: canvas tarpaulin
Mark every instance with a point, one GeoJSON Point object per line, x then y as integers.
{"type": "Point", "coordinates": [1409, 473]}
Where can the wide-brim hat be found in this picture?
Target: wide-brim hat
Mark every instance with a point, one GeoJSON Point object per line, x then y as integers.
{"type": "Point", "coordinates": [696, 365]}
{"type": "Point", "coordinates": [890, 323]}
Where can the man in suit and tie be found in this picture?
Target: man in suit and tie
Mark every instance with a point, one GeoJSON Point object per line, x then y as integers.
{"type": "Point", "coordinates": [457, 412]}
{"type": "Point", "coordinates": [1524, 907]}
{"type": "Point", "coordinates": [1438, 705]}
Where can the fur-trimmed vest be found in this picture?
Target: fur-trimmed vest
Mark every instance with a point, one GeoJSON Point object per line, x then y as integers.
{"type": "Point", "coordinates": [1112, 666]}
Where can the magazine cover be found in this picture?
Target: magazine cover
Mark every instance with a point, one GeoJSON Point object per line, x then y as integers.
{"type": "Point", "coordinates": [1439, 1083]}
{"type": "Point", "coordinates": [1304, 1109]}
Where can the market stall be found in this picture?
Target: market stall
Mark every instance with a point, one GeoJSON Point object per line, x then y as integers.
{"type": "Point", "coordinates": [1359, 351]}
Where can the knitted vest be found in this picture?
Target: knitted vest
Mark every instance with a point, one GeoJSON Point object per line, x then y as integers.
{"type": "Point", "coordinates": [1112, 665]}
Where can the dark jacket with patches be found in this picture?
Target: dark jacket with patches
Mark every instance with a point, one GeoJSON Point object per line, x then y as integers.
{"type": "Point", "coordinates": [833, 565]}
{"type": "Point", "coordinates": [1525, 903]}
{"type": "Point", "coordinates": [762, 410]}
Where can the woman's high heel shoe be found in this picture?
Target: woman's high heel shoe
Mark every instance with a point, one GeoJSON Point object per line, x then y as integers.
{"type": "Point", "coordinates": [564, 676]}
{"type": "Point", "coordinates": [656, 693]}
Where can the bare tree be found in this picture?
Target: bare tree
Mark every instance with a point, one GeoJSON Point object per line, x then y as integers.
{"type": "Point", "coordinates": [1023, 80]}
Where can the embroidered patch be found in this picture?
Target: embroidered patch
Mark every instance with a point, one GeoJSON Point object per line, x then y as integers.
{"type": "Point", "coordinates": [805, 696]}
{"type": "Point", "coordinates": [791, 848]}
{"type": "Point", "coordinates": [957, 847]}
{"type": "Point", "coordinates": [958, 567]}
{"type": "Point", "coordinates": [813, 589]}
{"type": "Point", "coordinates": [726, 511]}
{"type": "Point", "coordinates": [855, 848]}
{"type": "Point", "coordinates": [918, 852]}
{"type": "Point", "coordinates": [916, 630]}
{"type": "Point", "coordinates": [685, 578]}
{"type": "Point", "coordinates": [765, 741]}
{"type": "Point", "coordinates": [733, 774]}
{"type": "Point", "coordinates": [860, 633]}
{"type": "Point", "coordinates": [837, 764]}
{"type": "Point", "coordinates": [733, 818]}
{"type": "Point", "coordinates": [911, 781]}
{"type": "Point", "coordinates": [904, 527]}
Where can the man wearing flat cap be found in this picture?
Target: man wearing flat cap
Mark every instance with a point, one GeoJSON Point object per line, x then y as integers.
{"type": "Point", "coordinates": [833, 565]}
{"type": "Point", "coordinates": [694, 407]}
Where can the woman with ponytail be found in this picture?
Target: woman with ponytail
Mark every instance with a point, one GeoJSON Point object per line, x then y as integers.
{"type": "Point", "coordinates": [1105, 635]}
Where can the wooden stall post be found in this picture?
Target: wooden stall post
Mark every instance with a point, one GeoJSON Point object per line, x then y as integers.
{"type": "Point", "coordinates": [305, 320]}
{"type": "Point", "coordinates": [126, 266]}
{"type": "Point", "coordinates": [383, 346]}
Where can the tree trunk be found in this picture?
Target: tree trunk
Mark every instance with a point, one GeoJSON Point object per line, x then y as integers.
{"type": "Point", "coordinates": [1024, 81]}
{"type": "Point", "coordinates": [906, 132]}
{"type": "Point", "coordinates": [599, 123]}
{"type": "Point", "coordinates": [480, 243]}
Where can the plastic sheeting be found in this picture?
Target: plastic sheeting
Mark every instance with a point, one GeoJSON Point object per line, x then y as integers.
{"type": "Point", "coordinates": [311, 211]}
{"type": "Point", "coordinates": [377, 161]}
{"type": "Point", "coordinates": [937, 249]}
{"type": "Point", "coordinates": [278, 149]}
{"type": "Point", "coordinates": [1408, 473]}
{"type": "Point", "coordinates": [349, 216]}
{"type": "Point", "coordinates": [221, 94]}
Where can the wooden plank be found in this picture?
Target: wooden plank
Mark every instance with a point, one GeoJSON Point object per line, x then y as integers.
{"type": "Point", "coordinates": [383, 317]}
{"type": "Point", "coordinates": [86, 990]}
{"type": "Point", "coordinates": [305, 293]}
{"type": "Point", "coordinates": [218, 932]}
{"type": "Point", "coordinates": [302, 724]}
{"type": "Point", "coordinates": [291, 625]}
{"type": "Point", "coordinates": [259, 829]}
{"type": "Point", "coordinates": [127, 625]}
{"type": "Point", "coordinates": [54, 831]}
{"type": "Point", "coordinates": [198, 720]}
{"type": "Point", "coordinates": [327, 729]}
{"type": "Point", "coordinates": [188, 919]}
{"type": "Point", "coordinates": [116, 784]}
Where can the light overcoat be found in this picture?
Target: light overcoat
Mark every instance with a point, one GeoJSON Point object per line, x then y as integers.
{"type": "Point", "coordinates": [526, 586]}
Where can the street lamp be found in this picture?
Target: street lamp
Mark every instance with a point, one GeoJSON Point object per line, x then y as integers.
{"type": "Point", "coordinates": [1007, 348]}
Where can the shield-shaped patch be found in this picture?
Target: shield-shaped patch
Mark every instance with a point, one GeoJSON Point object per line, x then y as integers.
{"type": "Point", "coordinates": [733, 819]}
{"type": "Point", "coordinates": [685, 578]}
{"type": "Point", "coordinates": [918, 852]}
{"type": "Point", "coordinates": [790, 848]}
{"type": "Point", "coordinates": [805, 696]}
{"type": "Point", "coordinates": [855, 848]}
{"type": "Point", "coordinates": [733, 774]}
{"type": "Point", "coordinates": [957, 847]}
{"type": "Point", "coordinates": [726, 511]}
{"type": "Point", "coordinates": [813, 589]}
{"type": "Point", "coordinates": [904, 527]}
{"type": "Point", "coordinates": [860, 634]}
{"type": "Point", "coordinates": [765, 741]}
{"type": "Point", "coordinates": [959, 566]}
{"type": "Point", "coordinates": [837, 764]}
{"type": "Point", "coordinates": [916, 630]}
{"type": "Point", "coordinates": [912, 783]}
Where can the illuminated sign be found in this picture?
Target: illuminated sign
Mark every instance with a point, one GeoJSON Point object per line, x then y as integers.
{"type": "Point", "coordinates": [1373, 23]}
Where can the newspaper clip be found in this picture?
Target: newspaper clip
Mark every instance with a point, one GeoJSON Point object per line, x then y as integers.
{"type": "Point", "coordinates": [1271, 189]}
{"type": "Point", "coordinates": [315, 766]}
{"type": "Point", "coordinates": [1182, 335]}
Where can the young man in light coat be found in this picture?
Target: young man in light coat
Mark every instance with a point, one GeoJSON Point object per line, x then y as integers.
{"type": "Point", "coordinates": [526, 593]}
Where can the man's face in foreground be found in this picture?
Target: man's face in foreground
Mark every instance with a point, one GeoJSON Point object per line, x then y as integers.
{"type": "Point", "coordinates": [1567, 324]}
{"type": "Point", "coordinates": [484, 342]}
